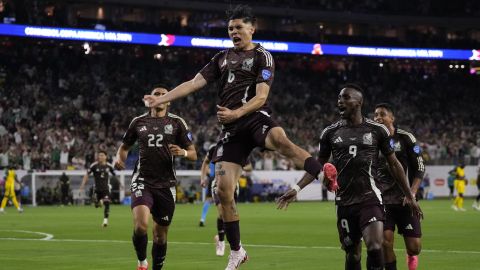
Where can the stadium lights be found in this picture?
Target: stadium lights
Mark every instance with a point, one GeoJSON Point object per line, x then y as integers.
{"type": "Point", "coordinates": [381, 64]}
{"type": "Point", "coordinates": [451, 66]}
{"type": "Point", "coordinates": [157, 56]}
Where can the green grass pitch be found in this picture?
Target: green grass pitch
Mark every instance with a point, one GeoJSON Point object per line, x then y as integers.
{"type": "Point", "coordinates": [304, 237]}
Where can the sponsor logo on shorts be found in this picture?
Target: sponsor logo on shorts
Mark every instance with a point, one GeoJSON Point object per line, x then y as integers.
{"type": "Point", "coordinates": [165, 218]}
{"type": "Point", "coordinates": [373, 219]}
{"type": "Point", "coordinates": [138, 193]}
{"type": "Point", "coordinates": [409, 227]}
{"type": "Point", "coordinates": [347, 241]}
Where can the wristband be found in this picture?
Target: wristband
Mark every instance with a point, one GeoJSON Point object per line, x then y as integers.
{"type": "Point", "coordinates": [297, 188]}
{"type": "Point", "coordinates": [186, 153]}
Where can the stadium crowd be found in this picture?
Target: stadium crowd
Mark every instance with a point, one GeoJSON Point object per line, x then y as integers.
{"type": "Point", "coordinates": [59, 105]}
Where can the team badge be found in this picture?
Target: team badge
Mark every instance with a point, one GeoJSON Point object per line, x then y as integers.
{"type": "Point", "coordinates": [168, 129]}
{"type": "Point", "coordinates": [220, 151]}
{"type": "Point", "coordinates": [416, 149]}
{"type": "Point", "coordinates": [247, 64]}
{"type": "Point", "coordinates": [266, 74]}
{"type": "Point", "coordinates": [397, 147]}
{"type": "Point", "coordinates": [367, 138]}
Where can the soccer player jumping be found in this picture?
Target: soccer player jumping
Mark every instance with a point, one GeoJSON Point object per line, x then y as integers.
{"type": "Point", "coordinates": [161, 136]}
{"type": "Point", "coordinates": [244, 75]}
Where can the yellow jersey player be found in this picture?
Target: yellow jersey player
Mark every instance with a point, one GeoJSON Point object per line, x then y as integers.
{"type": "Point", "coordinates": [459, 184]}
{"type": "Point", "coordinates": [10, 179]}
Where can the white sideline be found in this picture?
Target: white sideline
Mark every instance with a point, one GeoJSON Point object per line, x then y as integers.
{"type": "Point", "coordinates": [49, 237]}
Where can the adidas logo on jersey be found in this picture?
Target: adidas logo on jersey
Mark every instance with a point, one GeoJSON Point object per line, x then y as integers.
{"type": "Point", "coordinates": [338, 140]}
{"type": "Point", "coordinates": [409, 227]}
{"type": "Point", "coordinates": [144, 128]}
{"type": "Point", "coordinates": [373, 219]}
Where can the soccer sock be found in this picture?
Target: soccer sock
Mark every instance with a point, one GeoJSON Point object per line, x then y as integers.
{"type": "Point", "coordinates": [375, 259]}
{"type": "Point", "coordinates": [140, 243]}
{"type": "Point", "coordinates": [4, 202]}
{"type": "Point", "coordinates": [159, 252]}
{"type": "Point", "coordinates": [232, 230]}
{"type": "Point", "coordinates": [460, 202]}
{"type": "Point", "coordinates": [206, 206]}
{"type": "Point", "coordinates": [312, 166]}
{"type": "Point", "coordinates": [220, 229]}
{"type": "Point", "coordinates": [106, 210]}
{"type": "Point", "coordinates": [455, 202]}
{"type": "Point", "coordinates": [353, 264]}
{"type": "Point", "coordinates": [391, 265]}
{"type": "Point", "coordinates": [15, 202]}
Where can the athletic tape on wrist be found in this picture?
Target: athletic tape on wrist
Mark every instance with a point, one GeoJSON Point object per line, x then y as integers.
{"type": "Point", "coordinates": [297, 188]}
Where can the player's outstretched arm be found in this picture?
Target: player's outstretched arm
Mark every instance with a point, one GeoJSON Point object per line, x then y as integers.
{"type": "Point", "coordinates": [84, 181]}
{"type": "Point", "coordinates": [226, 115]}
{"type": "Point", "coordinates": [121, 156]}
{"type": "Point", "coordinates": [291, 195]}
{"type": "Point", "coordinates": [401, 179]}
{"type": "Point", "coordinates": [182, 90]}
{"type": "Point", "coordinates": [204, 172]}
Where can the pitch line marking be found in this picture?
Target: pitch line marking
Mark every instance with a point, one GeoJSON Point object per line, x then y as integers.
{"type": "Point", "coordinates": [47, 236]}
{"type": "Point", "coordinates": [209, 244]}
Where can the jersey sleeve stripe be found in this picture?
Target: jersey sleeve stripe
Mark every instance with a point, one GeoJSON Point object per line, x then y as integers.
{"type": "Point", "coordinates": [134, 119]}
{"type": "Point", "coordinates": [329, 128]}
{"type": "Point", "coordinates": [267, 55]}
{"type": "Point", "coordinates": [410, 135]}
{"type": "Point", "coordinates": [178, 117]}
{"type": "Point", "coordinates": [93, 165]}
{"type": "Point", "coordinates": [379, 125]}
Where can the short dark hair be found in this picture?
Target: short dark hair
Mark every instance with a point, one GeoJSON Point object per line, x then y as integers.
{"type": "Point", "coordinates": [386, 106]}
{"type": "Point", "coordinates": [355, 87]}
{"type": "Point", "coordinates": [103, 151]}
{"type": "Point", "coordinates": [243, 12]}
{"type": "Point", "coordinates": [161, 85]}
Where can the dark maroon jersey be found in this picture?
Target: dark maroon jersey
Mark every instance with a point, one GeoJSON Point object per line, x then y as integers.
{"type": "Point", "coordinates": [354, 151]}
{"type": "Point", "coordinates": [101, 174]}
{"type": "Point", "coordinates": [237, 73]}
{"type": "Point", "coordinates": [155, 165]}
{"type": "Point", "coordinates": [409, 155]}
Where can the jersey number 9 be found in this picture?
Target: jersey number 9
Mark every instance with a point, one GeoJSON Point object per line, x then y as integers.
{"type": "Point", "coordinates": [352, 150]}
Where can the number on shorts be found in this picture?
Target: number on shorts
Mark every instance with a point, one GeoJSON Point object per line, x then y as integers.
{"type": "Point", "coordinates": [231, 76]}
{"type": "Point", "coordinates": [344, 224]}
{"type": "Point", "coordinates": [352, 150]}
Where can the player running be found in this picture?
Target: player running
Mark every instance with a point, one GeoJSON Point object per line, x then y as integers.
{"type": "Point", "coordinates": [354, 144]}
{"type": "Point", "coordinates": [101, 170]}
{"type": "Point", "coordinates": [10, 179]}
{"type": "Point", "coordinates": [161, 137]}
{"type": "Point", "coordinates": [397, 214]}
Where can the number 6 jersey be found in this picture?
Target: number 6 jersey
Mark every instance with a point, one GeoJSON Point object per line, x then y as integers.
{"type": "Point", "coordinates": [354, 151]}
{"type": "Point", "coordinates": [155, 167]}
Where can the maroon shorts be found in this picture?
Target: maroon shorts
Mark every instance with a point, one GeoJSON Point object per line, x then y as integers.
{"type": "Point", "coordinates": [238, 139]}
{"type": "Point", "coordinates": [408, 224]}
{"type": "Point", "coordinates": [353, 219]}
{"type": "Point", "coordinates": [160, 201]}
{"type": "Point", "coordinates": [102, 195]}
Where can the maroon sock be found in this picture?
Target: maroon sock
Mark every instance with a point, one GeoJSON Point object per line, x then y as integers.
{"type": "Point", "coordinates": [159, 252]}
{"type": "Point", "coordinates": [232, 230]}
{"type": "Point", "coordinates": [312, 166]}
{"type": "Point", "coordinates": [140, 243]}
{"type": "Point", "coordinates": [391, 265]}
{"type": "Point", "coordinates": [220, 229]}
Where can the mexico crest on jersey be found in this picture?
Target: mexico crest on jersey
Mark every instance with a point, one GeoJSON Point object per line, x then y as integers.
{"type": "Point", "coordinates": [247, 64]}
{"type": "Point", "coordinates": [168, 129]}
{"type": "Point", "coordinates": [367, 138]}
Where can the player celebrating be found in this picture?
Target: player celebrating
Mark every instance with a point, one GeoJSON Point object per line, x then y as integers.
{"type": "Point", "coordinates": [354, 143]}
{"type": "Point", "coordinates": [161, 136]}
{"type": "Point", "coordinates": [101, 171]}
{"type": "Point", "coordinates": [10, 179]}
{"type": "Point", "coordinates": [408, 153]}
{"type": "Point", "coordinates": [244, 74]}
